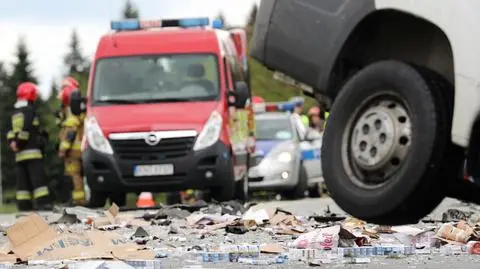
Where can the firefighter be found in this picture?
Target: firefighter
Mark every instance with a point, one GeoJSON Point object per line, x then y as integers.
{"type": "Point", "coordinates": [70, 138]}
{"type": "Point", "coordinates": [25, 140]}
{"type": "Point", "coordinates": [62, 112]}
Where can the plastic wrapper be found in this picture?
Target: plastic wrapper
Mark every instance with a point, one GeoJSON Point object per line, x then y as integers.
{"type": "Point", "coordinates": [325, 238]}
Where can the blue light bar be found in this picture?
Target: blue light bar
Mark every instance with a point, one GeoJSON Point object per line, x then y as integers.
{"type": "Point", "coordinates": [134, 24]}
{"type": "Point", "coordinates": [194, 22]}
{"type": "Point", "coordinates": [217, 24]}
{"type": "Point", "coordinates": [125, 25]}
{"type": "Point", "coordinates": [286, 106]}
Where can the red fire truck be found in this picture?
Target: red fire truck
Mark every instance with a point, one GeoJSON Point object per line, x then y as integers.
{"type": "Point", "coordinates": [169, 109]}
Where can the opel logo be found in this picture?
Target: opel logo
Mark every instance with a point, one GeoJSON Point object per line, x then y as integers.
{"type": "Point", "coordinates": [152, 139]}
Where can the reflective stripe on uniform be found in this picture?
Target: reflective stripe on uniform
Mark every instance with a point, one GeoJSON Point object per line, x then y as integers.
{"type": "Point", "coordinates": [78, 195]}
{"type": "Point", "coordinates": [23, 195]}
{"type": "Point", "coordinates": [28, 154]}
{"type": "Point", "coordinates": [40, 192]}
{"type": "Point", "coordinates": [77, 145]}
{"type": "Point", "coordinates": [23, 135]}
{"type": "Point", "coordinates": [71, 121]}
{"type": "Point", "coordinates": [17, 122]}
{"type": "Point", "coordinates": [11, 135]}
{"type": "Point", "coordinates": [36, 122]}
{"type": "Point", "coordinates": [65, 145]}
{"type": "Point", "coordinates": [305, 120]}
{"type": "Point", "coordinates": [327, 114]}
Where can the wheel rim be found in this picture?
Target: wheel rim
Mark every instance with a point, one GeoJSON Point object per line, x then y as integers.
{"type": "Point", "coordinates": [377, 140]}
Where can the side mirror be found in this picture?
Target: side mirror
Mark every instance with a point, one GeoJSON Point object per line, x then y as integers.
{"type": "Point", "coordinates": [242, 94]}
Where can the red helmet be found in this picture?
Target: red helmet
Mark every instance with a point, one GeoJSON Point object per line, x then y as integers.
{"type": "Point", "coordinates": [314, 111]}
{"type": "Point", "coordinates": [27, 91]}
{"type": "Point", "coordinates": [70, 82]}
{"type": "Point", "coordinates": [257, 100]}
{"type": "Point", "coordinates": [64, 94]}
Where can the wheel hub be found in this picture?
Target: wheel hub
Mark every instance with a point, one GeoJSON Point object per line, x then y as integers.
{"type": "Point", "coordinates": [373, 139]}
{"type": "Point", "coordinates": [380, 140]}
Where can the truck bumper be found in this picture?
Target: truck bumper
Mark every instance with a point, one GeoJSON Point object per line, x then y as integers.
{"type": "Point", "coordinates": [197, 170]}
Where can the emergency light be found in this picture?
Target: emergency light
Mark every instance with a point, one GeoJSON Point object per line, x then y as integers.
{"type": "Point", "coordinates": [273, 107]}
{"type": "Point", "coordinates": [217, 24]}
{"type": "Point", "coordinates": [134, 24]}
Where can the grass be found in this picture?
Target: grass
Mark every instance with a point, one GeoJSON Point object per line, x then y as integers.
{"type": "Point", "coordinates": [272, 90]}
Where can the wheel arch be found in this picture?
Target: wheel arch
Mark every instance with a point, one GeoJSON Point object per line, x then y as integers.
{"type": "Point", "coordinates": [391, 34]}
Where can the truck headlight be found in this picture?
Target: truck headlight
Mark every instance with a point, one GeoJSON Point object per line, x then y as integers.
{"type": "Point", "coordinates": [210, 133]}
{"type": "Point", "coordinates": [284, 157]}
{"type": "Point", "coordinates": [95, 138]}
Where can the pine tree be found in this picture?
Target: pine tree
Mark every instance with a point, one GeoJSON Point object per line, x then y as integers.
{"type": "Point", "coordinates": [130, 11]}
{"type": "Point", "coordinates": [76, 64]}
{"type": "Point", "coordinates": [253, 15]}
{"type": "Point", "coordinates": [5, 107]}
{"type": "Point", "coordinates": [74, 60]}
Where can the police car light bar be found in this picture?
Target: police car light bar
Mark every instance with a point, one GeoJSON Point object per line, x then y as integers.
{"type": "Point", "coordinates": [273, 107]}
{"type": "Point", "coordinates": [133, 24]}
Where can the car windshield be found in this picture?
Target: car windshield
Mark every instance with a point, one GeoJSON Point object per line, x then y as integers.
{"type": "Point", "coordinates": [273, 129]}
{"type": "Point", "coordinates": [160, 78]}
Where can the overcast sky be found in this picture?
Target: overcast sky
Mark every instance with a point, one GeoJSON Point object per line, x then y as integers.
{"type": "Point", "coordinates": [47, 25]}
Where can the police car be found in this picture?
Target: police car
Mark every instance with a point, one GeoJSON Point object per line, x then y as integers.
{"type": "Point", "coordinates": [284, 162]}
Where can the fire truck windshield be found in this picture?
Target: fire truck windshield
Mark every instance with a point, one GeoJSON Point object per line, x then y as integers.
{"type": "Point", "coordinates": [157, 78]}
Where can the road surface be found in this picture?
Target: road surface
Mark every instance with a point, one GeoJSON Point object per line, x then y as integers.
{"type": "Point", "coordinates": [307, 207]}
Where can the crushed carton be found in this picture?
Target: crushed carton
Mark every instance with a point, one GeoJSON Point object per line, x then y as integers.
{"type": "Point", "coordinates": [32, 239]}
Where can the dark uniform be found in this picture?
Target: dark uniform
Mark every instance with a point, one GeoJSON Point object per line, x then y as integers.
{"type": "Point", "coordinates": [26, 134]}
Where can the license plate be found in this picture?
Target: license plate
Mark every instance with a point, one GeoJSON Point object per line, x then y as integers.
{"type": "Point", "coordinates": [153, 170]}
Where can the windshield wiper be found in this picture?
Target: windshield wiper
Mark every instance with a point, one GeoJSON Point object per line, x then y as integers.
{"type": "Point", "coordinates": [118, 101]}
{"type": "Point", "coordinates": [168, 100]}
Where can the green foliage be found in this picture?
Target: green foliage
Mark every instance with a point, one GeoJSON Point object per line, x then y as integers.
{"type": "Point", "coordinates": [130, 11]}
{"type": "Point", "coordinates": [76, 64]}
{"type": "Point", "coordinates": [74, 60]}
{"type": "Point", "coordinates": [7, 97]}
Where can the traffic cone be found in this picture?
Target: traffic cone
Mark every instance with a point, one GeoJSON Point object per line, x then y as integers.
{"type": "Point", "coordinates": [145, 199]}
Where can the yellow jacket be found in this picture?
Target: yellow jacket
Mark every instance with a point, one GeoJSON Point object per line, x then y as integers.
{"type": "Point", "coordinates": [71, 135]}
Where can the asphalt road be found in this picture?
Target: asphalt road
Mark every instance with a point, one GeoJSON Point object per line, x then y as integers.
{"type": "Point", "coordinates": [307, 207]}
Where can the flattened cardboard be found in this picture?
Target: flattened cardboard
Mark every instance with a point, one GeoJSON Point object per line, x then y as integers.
{"type": "Point", "coordinates": [32, 239]}
{"type": "Point", "coordinates": [28, 234]}
{"type": "Point", "coordinates": [111, 215]}
{"type": "Point", "coordinates": [91, 245]}
{"type": "Point", "coordinates": [10, 258]}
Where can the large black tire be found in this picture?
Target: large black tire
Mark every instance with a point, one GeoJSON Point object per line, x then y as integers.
{"type": "Point", "coordinates": [173, 198]}
{"type": "Point", "coordinates": [98, 199]}
{"type": "Point", "coordinates": [302, 186]}
{"type": "Point", "coordinates": [316, 191]}
{"type": "Point", "coordinates": [416, 187]}
{"type": "Point", "coordinates": [227, 191]}
{"type": "Point", "coordinates": [119, 198]}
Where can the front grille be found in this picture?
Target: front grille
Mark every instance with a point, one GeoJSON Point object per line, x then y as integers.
{"type": "Point", "coordinates": [139, 150]}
